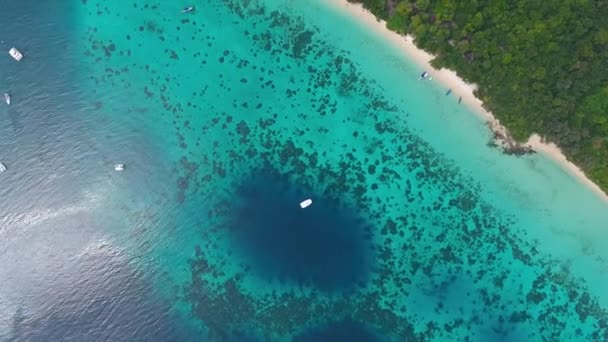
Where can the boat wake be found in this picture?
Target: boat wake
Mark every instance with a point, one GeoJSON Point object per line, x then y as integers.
{"type": "Point", "coordinates": [22, 221]}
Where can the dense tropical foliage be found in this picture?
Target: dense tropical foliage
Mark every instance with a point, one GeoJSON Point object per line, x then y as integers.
{"type": "Point", "coordinates": [541, 66]}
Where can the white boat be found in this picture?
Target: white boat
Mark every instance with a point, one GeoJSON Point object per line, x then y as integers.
{"type": "Point", "coordinates": [2, 167]}
{"type": "Point", "coordinates": [188, 9]}
{"type": "Point", "coordinates": [7, 98]}
{"type": "Point", "coordinates": [16, 54]}
{"type": "Point", "coordinates": [305, 203]}
{"type": "Point", "coordinates": [119, 167]}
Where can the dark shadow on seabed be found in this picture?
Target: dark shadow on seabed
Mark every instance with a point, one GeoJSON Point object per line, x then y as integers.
{"type": "Point", "coordinates": [346, 330]}
{"type": "Point", "coordinates": [326, 245]}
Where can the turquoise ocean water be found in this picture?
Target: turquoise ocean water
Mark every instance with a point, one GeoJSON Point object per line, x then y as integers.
{"type": "Point", "coordinates": [227, 118]}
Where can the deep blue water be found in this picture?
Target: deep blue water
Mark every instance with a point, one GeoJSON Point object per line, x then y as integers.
{"type": "Point", "coordinates": [339, 331]}
{"type": "Point", "coordinates": [48, 140]}
{"type": "Point", "coordinates": [327, 246]}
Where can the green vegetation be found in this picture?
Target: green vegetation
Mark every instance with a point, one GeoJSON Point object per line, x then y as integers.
{"type": "Point", "coordinates": [541, 66]}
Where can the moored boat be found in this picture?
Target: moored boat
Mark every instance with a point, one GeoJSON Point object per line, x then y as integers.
{"type": "Point", "coordinates": [16, 54]}
{"type": "Point", "coordinates": [305, 203]}
{"type": "Point", "coordinates": [119, 167]}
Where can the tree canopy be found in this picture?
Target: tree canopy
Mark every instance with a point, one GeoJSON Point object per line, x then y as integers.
{"type": "Point", "coordinates": [541, 66]}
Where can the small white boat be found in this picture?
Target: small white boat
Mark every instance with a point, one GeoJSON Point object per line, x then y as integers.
{"type": "Point", "coordinates": [16, 54]}
{"type": "Point", "coordinates": [305, 203]}
{"type": "Point", "coordinates": [188, 9]}
{"type": "Point", "coordinates": [119, 167]}
{"type": "Point", "coordinates": [7, 98]}
{"type": "Point", "coordinates": [2, 167]}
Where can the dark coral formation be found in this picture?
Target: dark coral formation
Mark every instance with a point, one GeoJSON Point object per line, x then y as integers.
{"type": "Point", "coordinates": [225, 307]}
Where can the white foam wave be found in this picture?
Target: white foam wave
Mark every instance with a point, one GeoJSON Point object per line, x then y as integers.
{"type": "Point", "coordinates": [91, 199]}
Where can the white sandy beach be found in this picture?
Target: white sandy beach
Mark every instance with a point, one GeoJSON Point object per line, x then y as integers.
{"type": "Point", "coordinates": [459, 87]}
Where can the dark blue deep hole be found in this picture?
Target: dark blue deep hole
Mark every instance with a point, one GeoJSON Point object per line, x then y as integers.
{"type": "Point", "coordinates": [326, 245]}
{"type": "Point", "coordinates": [346, 330]}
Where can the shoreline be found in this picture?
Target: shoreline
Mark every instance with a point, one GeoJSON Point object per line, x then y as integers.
{"type": "Point", "coordinates": [460, 88]}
